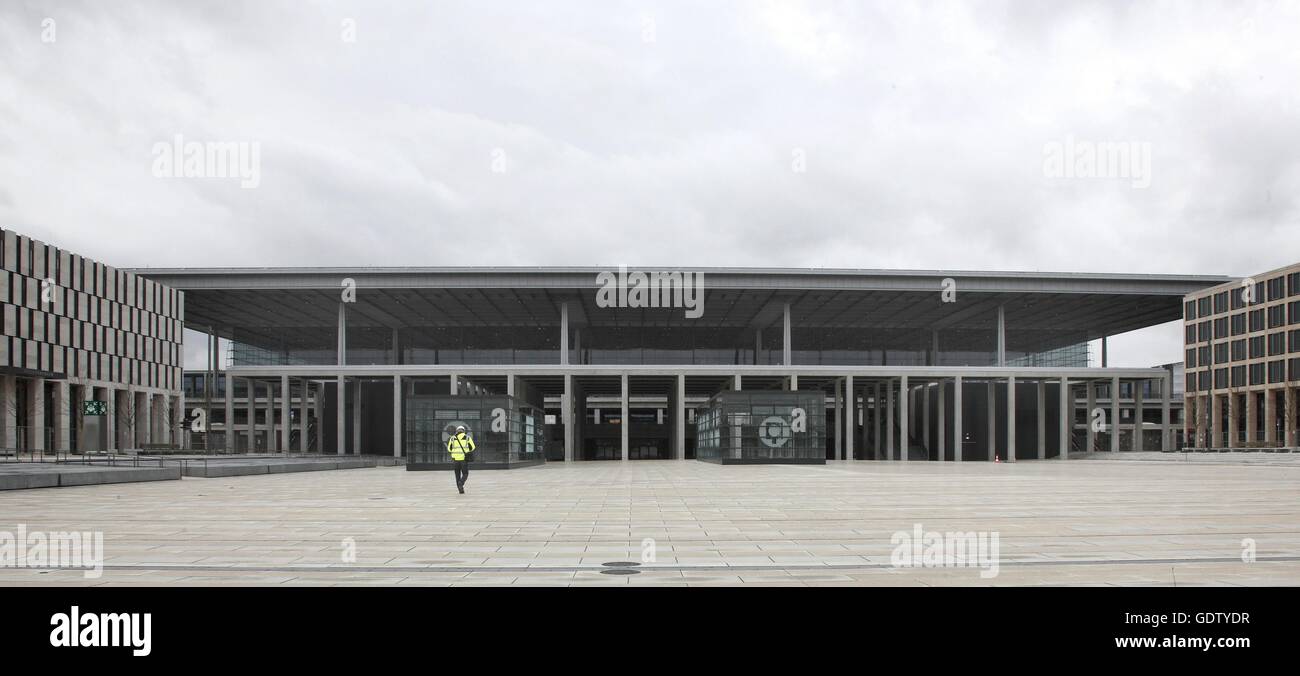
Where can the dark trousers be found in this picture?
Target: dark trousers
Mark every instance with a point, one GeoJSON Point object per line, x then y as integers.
{"type": "Point", "coordinates": [461, 468]}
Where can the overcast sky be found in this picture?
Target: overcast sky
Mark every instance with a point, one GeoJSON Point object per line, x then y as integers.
{"type": "Point", "coordinates": [748, 133]}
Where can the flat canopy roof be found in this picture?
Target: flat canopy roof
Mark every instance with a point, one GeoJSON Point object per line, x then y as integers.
{"type": "Point", "coordinates": [272, 304]}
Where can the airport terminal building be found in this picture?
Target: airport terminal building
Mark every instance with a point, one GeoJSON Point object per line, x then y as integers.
{"type": "Point", "coordinates": [617, 363]}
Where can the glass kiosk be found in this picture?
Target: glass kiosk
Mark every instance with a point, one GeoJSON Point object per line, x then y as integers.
{"type": "Point", "coordinates": [754, 428]}
{"type": "Point", "coordinates": [508, 433]}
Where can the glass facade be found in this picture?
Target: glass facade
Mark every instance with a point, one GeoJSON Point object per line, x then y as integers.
{"type": "Point", "coordinates": [506, 432]}
{"type": "Point", "coordinates": [762, 427]}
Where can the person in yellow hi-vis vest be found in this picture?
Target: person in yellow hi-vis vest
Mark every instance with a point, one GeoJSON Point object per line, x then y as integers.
{"type": "Point", "coordinates": [460, 445]}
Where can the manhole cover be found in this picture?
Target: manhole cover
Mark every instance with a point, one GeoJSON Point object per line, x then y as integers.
{"type": "Point", "coordinates": [619, 571]}
{"type": "Point", "coordinates": [621, 564]}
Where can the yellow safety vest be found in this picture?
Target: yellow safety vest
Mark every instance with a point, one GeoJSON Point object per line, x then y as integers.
{"type": "Point", "coordinates": [460, 444]}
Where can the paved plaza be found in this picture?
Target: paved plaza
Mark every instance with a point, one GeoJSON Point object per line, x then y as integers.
{"type": "Point", "coordinates": [1176, 519]}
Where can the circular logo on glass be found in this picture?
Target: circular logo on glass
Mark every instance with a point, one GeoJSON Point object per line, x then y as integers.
{"type": "Point", "coordinates": [774, 431]}
{"type": "Point", "coordinates": [450, 428]}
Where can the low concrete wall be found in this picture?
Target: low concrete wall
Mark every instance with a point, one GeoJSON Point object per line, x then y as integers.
{"type": "Point", "coordinates": [41, 475]}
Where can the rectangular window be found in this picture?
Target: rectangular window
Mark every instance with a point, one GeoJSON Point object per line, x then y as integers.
{"type": "Point", "coordinates": [1190, 360]}
{"type": "Point", "coordinates": [1239, 323]}
{"type": "Point", "coordinates": [1256, 320]}
{"type": "Point", "coordinates": [1220, 302]}
{"type": "Point", "coordinates": [1257, 374]}
{"type": "Point", "coordinates": [1203, 331]}
{"type": "Point", "coordinates": [1221, 353]}
{"type": "Point", "coordinates": [1237, 302]}
{"type": "Point", "coordinates": [1189, 310]}
{"type": "Point", "coordinates": [1190, 385]}
{"type": "Point", "coordinates": [1221, 327]}
{"type": "Point", "coordinates": [1220, 378]}
{"type": "Point", "coordinates": [1277, 288]}
{"type": "Point", "coordinates": [1295, 341]}
{"type": "Point", "coordinates": [1239, 376]}
{"type": "Point", "coordinates": [1191, 334]}
{"type": "Point", "coordinates": [1293, 284]}
{"type": "Point", "coordinates": [1277, 371]}
{"type": "Point", "coordinates": [1293, 312]}
{"type": "Point", "coordinates": [1295, 369]}
{"type": "Point", "coordinates": [1203, 307]}
{"type": "Point", "coordinates": [1276, 316]}
{"type": "Point", "coordinates": [1257, 347]}
{"type": "Point", "coordinates": [1239, 350]}
{"type": "Point", "coordinates": [1203, 355]}
{"type": "Point", "coordinates": [1276, 343]}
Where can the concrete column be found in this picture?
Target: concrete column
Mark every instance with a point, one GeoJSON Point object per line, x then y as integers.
{"type": "Point", "coordinates": [1092, 405]}
{"type": "Point", "coordinates": [736, 383]}
{"type": "Point", "coordinates": [286, 418]}
{"type": "Point", "coordinates": [992, 420]}
{"type": "Point", "coordinates": [1233, 411]}
{"type": "Point", "coordinates": [341, 417]}
{"type": "Point", "coordinates": [1002, 336]}
{"type": "Point", "coordinates": [792, 383]}
{"type": "Point", "coordinates": [1166, 442]}
{"type": "Point", "coordinates": [904, 394]}
{"type": "Point", "coordinates": [62, 427]}
{"type": "Point", "coordinates": [875, 420]}
{"type": "Point", "coordinates": [397, 417]}
{"type": "Point", "coordinates": [625, 413]}
{"type": "Point", "coordinates": [924, 393]}
{"type": "Point", "coordinates": [785, 342]}
{"type": "Point", "coordinates": [839, 426]}
{"type": "Point", "coordinates": [272, 444]}
{"type": "Point", "coordinates": [356, 418]}
{"type": "Point", "coordinates": [1067, 417]}
{"type": "Point", "coordinates": [143, 419]}
{"type": "Point", "coordinates": [112, 443]}
{"type": "Point", "coordinates": [564, 337]}
{"type": "Point", "coordinates": [1105, 353]}
{"type": "Point", "coordinates": [1252, 415]}
{"type": "Point", "coordinates": [305, 391]}
{"type": "Point", "coordinates": [454, 384]}
{"type": "Point", "coordinates": [941, 430]}
{"type": "Point", "coordinates": [341, 353]}
{"type": "Point", "coordinates": [957, 440]}
{"type": "Point", "coordinates": [1139, 414]}
{"type": "Point", "coordinates": [1042, 419]}
{"type": "Point", "coordinates": [889, 420]}
{"type": "Point", "coordinates": [851, 419]}
{"type": "Point", "coordinates": [36, 414]}
{"type": "Point", "coordinates": [1202, 421]}
{"type": "Point", "coordinates": [1270, 417]}
{"type": "Point", "coordinates": [319, 404]}
{"type": "Point", "coordinates": [229, 440]}
{"type": "Point", "coordinates": [111, 420]}
{"type": "Point", "coordinates": [566, 413]}
{"type": "Point", "coordinates": [1289, 419]}
{"type": "Point", "coordinates": [9, 409]}
{"type": "Point", "coordinates": [1114, 414]}
{"type": "Point", "coordinates": [1011, 418]}
{"type": "Point", "coordinates": [250, 386]}
{"type": "Point", "coordinates": [1216, 423]}
{"type": "Point", "coordinates": [679, 418]}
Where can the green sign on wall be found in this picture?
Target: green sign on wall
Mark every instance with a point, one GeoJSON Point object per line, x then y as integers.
{"type": "Point", "coordinates": [94, 408]}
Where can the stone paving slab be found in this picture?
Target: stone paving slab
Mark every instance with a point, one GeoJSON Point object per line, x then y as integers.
{"type": "Point", "coordinates": [690, 524]}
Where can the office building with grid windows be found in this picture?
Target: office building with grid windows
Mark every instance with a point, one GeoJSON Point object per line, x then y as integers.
{"type": "Point", "coordinates": [1242, 360]}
